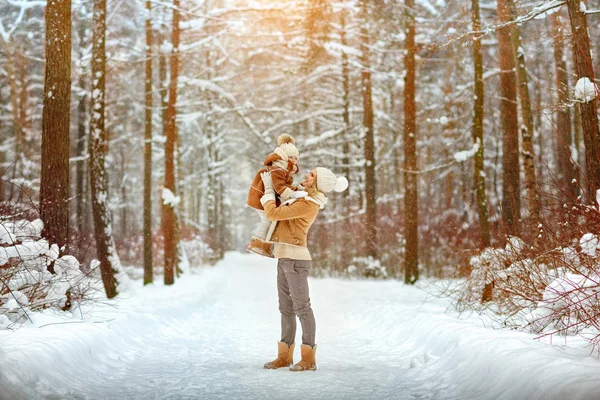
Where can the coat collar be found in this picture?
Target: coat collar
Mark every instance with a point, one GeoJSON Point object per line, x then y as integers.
{"type": "Point", "coordinates": [319, 199]}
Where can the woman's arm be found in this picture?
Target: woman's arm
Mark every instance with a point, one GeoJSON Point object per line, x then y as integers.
{"type": "Point", "coordinates": [298, 209]}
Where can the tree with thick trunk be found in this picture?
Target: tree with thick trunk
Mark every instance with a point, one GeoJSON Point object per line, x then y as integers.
{"type": "Point", "coordinates": [511, 180]}
{"type": "Point", "coordinates": [169, 209]}
{"type": "Point", "coordinates": [54, 186]}
{"type": "Point", "coordinates": [148, 151]}
{"type": "Point", "coordinates": [98, 146]}
{"type": "Point", "coordinates": [566, 168]}
{"type": "Point", "coordinates": [479, 173]}
{"type": "Point", "coordinates": [411, 178]}
{"type": "Point", "coordinates": [369, 146]}
{"type": "Point", "coordinates": [587, 109]}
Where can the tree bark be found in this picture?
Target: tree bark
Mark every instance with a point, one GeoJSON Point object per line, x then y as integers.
{"type": "Point", "coordinates": [566, 168]}
{"type": "Point", "coordinates": [511, 180]}
{"type": "Point", "coordinates": [170, 218]}
{"type": "Point", "coordinates": [411, 197]}
{"type": "Point", "coordinates": [588, 110]}
{"type": "Point", "coordinates": [148, 276]}
{"type": "Point", "coordinates": [81, 136]}
{"type": "Point", "coordinates": [479, 172]}
{"type": "Point", "coordinates": [54, 189]}
{"type": "Point", "coordinates": [369, 146]}
{"type": "Point", "coordinates": [527, 127]}
{"type": "Point", "coordinates": [98, 145]}
{"type": "Point", "coordinates": [346, 101]}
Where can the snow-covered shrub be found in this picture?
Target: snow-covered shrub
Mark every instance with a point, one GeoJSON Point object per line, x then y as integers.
{"type": "Point", "coordinates": [366, 267]}
{"type": "Point", "coordinates": [25, 282]}
{"type": "Point", "coordinates": [551, 292]}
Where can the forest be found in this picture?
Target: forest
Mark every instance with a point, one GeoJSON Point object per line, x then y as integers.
{"type": "Point", "coordinates": [468, 131]}
{"type": "Point", "coordinates": [464, 256]}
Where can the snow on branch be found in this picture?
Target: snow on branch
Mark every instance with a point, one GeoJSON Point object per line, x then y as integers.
{"type": "Point", "coordinates": [541, 10]}
{"type": "Point", "coordinates": [585, 90]}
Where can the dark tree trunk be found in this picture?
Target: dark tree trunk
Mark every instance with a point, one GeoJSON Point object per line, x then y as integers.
{"type": "Point", "coordinates": [346, 100]}
{"type": "Point", "coordinates": [54, 189]}
{"type": "Point", "coordinates": [511, 180]}
{"type": "Point", "coordinates": [566, 168]}
{"type": "Point", "coordinates": [98, 146]}
{"type": "Point", "coordinates": [169, 214]}
{"type": "Point", "coordinates": [587, 110]}
{"type": "Point", "coordinates": [81, 137]}
{"type": "Point", "coordinates": [148, 278]}
{"type": "Point", "coordinates": [527, 127]}
{"type": "Point", "coordinates": [479, 172]}
{"type": "Point", "coordinates": [411, 178]}
{"type": "Point", "coordinates": [369, 148]}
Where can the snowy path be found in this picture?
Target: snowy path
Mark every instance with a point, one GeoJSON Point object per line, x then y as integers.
{"type": "Point", "coordinates": [209, 336]}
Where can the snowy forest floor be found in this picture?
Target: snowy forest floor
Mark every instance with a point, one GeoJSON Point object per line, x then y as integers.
{"type": "Point", "coordinates": [208, 336]}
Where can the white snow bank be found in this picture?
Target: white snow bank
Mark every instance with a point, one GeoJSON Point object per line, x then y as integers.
{"type": "Point", "coordinates": [585, 90]}
{"type": "Point", "coordinates": [209, 335]}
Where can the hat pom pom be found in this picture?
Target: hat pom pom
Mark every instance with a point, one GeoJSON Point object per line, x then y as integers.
{"type": "Point", "coordinates": [341, 184]}
{"type": "Point", "coordinates": [284, 139]}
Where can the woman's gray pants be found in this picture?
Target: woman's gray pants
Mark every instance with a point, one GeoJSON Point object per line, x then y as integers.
{"type": "Point", "coordinates": [292, 287]}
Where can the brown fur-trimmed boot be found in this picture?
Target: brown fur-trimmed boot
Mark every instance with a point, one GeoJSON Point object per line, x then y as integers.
{"type": "Point", "coordinates": [260, 247]}
{"type": "Point", "coordinates": [308, 362]}
{"type": "Point", "coordinates": [285, 357]}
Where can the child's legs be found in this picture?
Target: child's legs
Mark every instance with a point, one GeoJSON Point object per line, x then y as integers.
{"type": "Point", "coordinates": [263, 226]}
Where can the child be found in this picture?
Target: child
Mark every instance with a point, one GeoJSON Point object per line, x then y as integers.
{"type": "Point", "coordinates": [282, 163]}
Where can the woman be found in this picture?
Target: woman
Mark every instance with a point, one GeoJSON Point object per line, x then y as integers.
{"type": "Point", "coordinates": [294, 262]}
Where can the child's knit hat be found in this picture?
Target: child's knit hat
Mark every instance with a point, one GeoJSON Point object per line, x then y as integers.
{"type": "Point", "coordinates": [286, 143]}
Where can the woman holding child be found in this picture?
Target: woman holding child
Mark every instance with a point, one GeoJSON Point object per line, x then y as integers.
{"type": "Point", "coordinates": [289, 240]}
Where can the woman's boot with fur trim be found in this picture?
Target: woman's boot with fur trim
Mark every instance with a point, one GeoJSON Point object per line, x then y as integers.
{"type": "Point", "coordinates": [308, 362]}
{"type": "Point", "coordinates": [285, 356]}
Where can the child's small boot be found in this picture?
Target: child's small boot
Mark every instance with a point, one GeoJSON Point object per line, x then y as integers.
{"type": "Point", "coordinates": [260, 247]}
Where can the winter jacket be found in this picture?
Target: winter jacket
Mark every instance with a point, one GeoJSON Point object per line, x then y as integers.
{"type": "Point", "coordinates": [295, 219]}
{"type": "Point", "coordinates": [282, 181]}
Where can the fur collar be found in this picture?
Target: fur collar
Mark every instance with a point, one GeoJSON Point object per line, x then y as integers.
{"type": "Point", "coordinates": [318, 198]}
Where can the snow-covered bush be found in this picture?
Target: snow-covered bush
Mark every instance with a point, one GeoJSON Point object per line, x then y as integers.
{"type": "Point", "coordinates": [366, 267]}
{"type": "Point", "coordinates": [25, 282]}
{"type": "Point", "coordinates": [553, 292]}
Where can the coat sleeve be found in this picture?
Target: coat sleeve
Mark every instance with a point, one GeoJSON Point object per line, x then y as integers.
{"type": "Point", "coordinates": [280, 184]}
{"type": "Point", "coordinates": [297, 209]}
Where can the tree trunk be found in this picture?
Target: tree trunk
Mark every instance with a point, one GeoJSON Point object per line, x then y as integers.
{"type": "Point", "coordinates": [170, 218]}
{"type": "Point", "coordinates": [589, 117]}
{"type": "Point", "coordinates": [566, 168]}
{"type": "Point", "coordinates": [54, 187]}
{"type": "Point", "coordinates": [479, 172]}
{"type": "Point", "coordinates": [98, 144]}
{"type": "Point", "coordinates": [81, 137]}
{"type": "Point", "coordinates": [511, 180]}
{"type": "Point", "coordinates": [346, 101]}
{"type": "Point", "coordinates": [148, 278]}
{"type": "Point", "coordinates": [369, 150]}
{"type": "Point", "coordinates": [411, 179]}
{"type": "Point", "coordinates": [527, 127]}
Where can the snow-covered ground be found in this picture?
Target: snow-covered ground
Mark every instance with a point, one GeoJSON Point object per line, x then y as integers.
{"type": "Point", "coordinates": [208, 336]}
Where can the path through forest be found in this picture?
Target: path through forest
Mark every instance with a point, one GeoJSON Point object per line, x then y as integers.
{"type": "Point", "coordinates": [209, 335]}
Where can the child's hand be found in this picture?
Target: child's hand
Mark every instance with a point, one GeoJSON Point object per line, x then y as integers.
{"type": "Point", "coordinates": [267, 180]}
{"type": "Point", "coordinates": [299, 194]}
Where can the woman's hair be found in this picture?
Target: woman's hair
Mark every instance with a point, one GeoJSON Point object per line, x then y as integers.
{"type": "Point", "coordinates": [312, 190]}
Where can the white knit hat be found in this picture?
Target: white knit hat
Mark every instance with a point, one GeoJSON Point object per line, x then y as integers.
{"type": "Point", "coordinates": [327, 181]}
{"type": "Point", "coordinates": [286, 143]}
